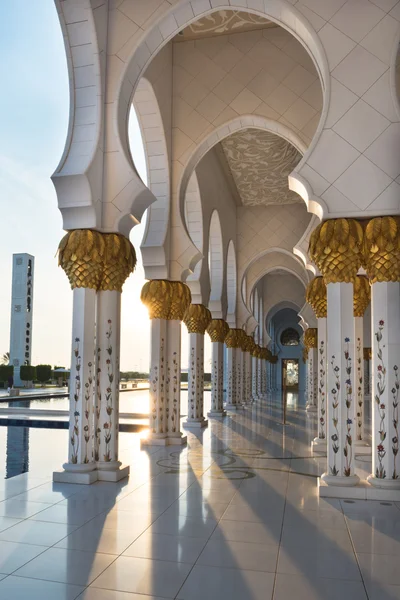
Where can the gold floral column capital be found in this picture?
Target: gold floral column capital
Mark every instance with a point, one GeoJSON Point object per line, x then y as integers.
{"type": "Point", "coordinates": [180, 300]}
{"type": "Point", "coordinates": [336, 248]}
{"type": "Point", "coordinates": [96, 260]}
{"type": "Point", "coordinates": [362, 295]}
{"type": "Point", "coordinates": [367, 353]}
{"type": "Point", "coordinates": [156, 295]}
{"type": "Point", "coordinates": [119, 262]}
{"type": "Point", "coordinates": [218, 330]}
{"type": "Point", "coordinates": [311, 338]}
{"type": "Point", "coordinates": [316, 297]}
{"type": "Point", "coordinates": [166, 299]}
{"type": "Point", "coordinates": [81, 254]}
{"type": "Point", "coordinates": [234, 338]}
{"type": "Point", "coordinates": [197, 318]}
{"type": "Point", "coordinates": [381, 249]}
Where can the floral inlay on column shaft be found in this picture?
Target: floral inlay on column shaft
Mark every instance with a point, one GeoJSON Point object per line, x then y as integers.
{"type": "Point", "coordinates": [321, 391]}
{"type": "Point", "coordinates": [107, 426]}
{"type": "Point", "coordinates": [335, 415]}
{"type": "Point", "coordinates": [74, 437]}
{"type": "Point", "coordinates": [348, 447]}
{"type": "Point", "coordinates": [360, 415]}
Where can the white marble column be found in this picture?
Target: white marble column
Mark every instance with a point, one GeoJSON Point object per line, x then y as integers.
{"type": "Point", "coordinates": [81, 465]}
{"type": "Point", "coordinates": [239, 376]}
{"type": "Point", "coordinates": [248, 368]}
{"type": "Point", "coordinates": [385, 384]}
{"type": "Point", "coordinates": [157, 379]}
{"type": "Point", "coordinates": [195, 416]}
{"type": "Point", "coordinates": [254, 375]}
{"type": "Point", "coordinates": [320, 440]}
{"type": "Point", "coordinates": [311, 342]}
{"type": "Point", "coordinates": [341, 354]}
{"type": "Point", "coordinates": [231, 398]}
{"type": "Point", "coordinates": [232, 341]}
{"type": "Point", "coordinates": [217, 330]}
{"type": "Point", "coordinates": [260, 367]}
{"type": "Point", "coordinates": [107, 400]}
{"type": "Point", "coordinates": [359, 382]}
{"type": "Point", "coordinates": [167, 302]}
{"type": "Point", "coordinates": [173, 383]}
{"type": "Point", "coordinates": [367, 353]}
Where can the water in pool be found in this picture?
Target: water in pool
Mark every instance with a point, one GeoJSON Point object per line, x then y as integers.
{"type": "Point", "coordinates": [25, 449]}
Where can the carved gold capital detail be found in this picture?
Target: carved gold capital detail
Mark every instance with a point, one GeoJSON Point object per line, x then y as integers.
{"type": "Point", "coordinates": [95, 260]}
{"type": "Point", "coordinates": [166, 299]}
{"type": "Point", "coordinates": [367, 353]}
{"type": "Point", "coordinates": [316, 297]}
{"type": "Point", "coordinates": [311, 338]}
{"type": "Point", "coordinates": [381, 249]}
{"type": "Point", "coordinates": [218, 330]}
{"type": "Point", "coordinates": [234, 338]}
{"type": "Point", "coordinates": [336, 248]}
{"type": "Point", "coordinates": [361, 295]}
{"type": "Point", "coordinates": [197, 318]}
{"type": "Point", "coordinates": [119, 262]}
{"type": "Point", "coordinates": [274, 359]}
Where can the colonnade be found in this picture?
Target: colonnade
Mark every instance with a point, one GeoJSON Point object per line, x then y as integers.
{"type": "Point", "coordinates": [343, 250]}
{"type": "Point", "coordinates": [97, 265]}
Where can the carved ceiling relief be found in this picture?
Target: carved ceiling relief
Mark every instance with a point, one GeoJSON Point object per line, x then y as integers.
{"type": "Point", "coordinates": [260, 163]}
{"type": "Point", "coordinates": [223, 22]}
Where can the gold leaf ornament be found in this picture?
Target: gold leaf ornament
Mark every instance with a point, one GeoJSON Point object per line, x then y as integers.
{"type": "Point", "coordinates": [156, 294]}
{"type": "Point", "coordinates": [361, 295]}
{"type": "Point", "coordinates": [218, 330]}
{"type": "Point", "coordinates": [81, 255]}
{"type": "Point", "coordinates": [381, 249]}
{"type": "Point", "coordinates": [311, 338]}
{"type": "Point", "coordinates": [336, 248]}
{"type": "Point", "coordinates": [316, 297]}
{"type": "Point", "coordinates": [234, 338]}
{"type": "Point", "coordinates": [197, 318]}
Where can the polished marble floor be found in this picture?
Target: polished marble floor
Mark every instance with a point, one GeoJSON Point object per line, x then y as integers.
{"type": "Point", "coordinates": [234, 515]}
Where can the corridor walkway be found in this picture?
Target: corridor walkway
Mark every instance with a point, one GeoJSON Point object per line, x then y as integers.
{"type": "Point", "coordinates": [235, 515]}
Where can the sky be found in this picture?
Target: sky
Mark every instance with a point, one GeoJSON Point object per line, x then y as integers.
{"type": "Point", "coordinates": [34, 105]}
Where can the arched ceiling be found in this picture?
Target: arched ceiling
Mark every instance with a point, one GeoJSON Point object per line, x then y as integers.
{"type": "Point", "coordinates": [259, 163]}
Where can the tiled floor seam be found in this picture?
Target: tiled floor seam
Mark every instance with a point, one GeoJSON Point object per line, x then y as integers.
{"type": "Point", "coordinates": [355, 554]}
{"type": "Point", "coordinates": [280, 538]}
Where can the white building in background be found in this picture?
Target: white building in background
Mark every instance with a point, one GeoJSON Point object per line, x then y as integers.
{"type": "Point", "coordinates": [21, 313]}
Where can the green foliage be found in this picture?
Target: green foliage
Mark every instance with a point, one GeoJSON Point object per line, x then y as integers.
{"type": "Point", "coordinates": [6, 371]}
{"type": "Point", "coordinates": [57, 367]}
{"type": "Point", "coordinates": [43, 373]}
{"type": "Point", "coordinates": [27, 373]}
{"type": "Point", "coordinates": [133, 375]}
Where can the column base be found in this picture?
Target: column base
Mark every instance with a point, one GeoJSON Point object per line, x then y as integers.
{"type": "Point", "coordinates": [216, 414]}
{"type": "Point", "coordinates": [231, 406]}
{"type": "Point", "coordinates": [116, 475]}
{"type": "Point", "coordinates": [81, 477]}
{"type": "Point", "coordinates": [384, 484]}
{"type": "Point", "coordinates": [340, 480]}
{"type": "Point", "coordinates": [363, 491]}
{"type": "Point", "coordinates": [318, 443]}
{"type": "Point", "coordinates": [195, 424]}
{"type": "Point", "coordinates": [311, 408]}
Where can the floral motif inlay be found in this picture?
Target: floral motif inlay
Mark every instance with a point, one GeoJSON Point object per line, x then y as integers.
{"type": "Point", "coordinates": [321, 392]}
{"type": "Point", "coordinates": [74, 434]}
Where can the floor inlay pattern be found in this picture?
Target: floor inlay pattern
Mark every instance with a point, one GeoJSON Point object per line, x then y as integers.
{"type": "Point", "coordinates": [234, 515]}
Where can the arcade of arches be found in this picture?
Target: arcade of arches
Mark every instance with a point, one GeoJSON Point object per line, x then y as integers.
{"type": "Point", "coordinates": [271, 131]}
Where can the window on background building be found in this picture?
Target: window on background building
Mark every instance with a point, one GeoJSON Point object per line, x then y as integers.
{"type": "Point", "coordinates": [290, 337]}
